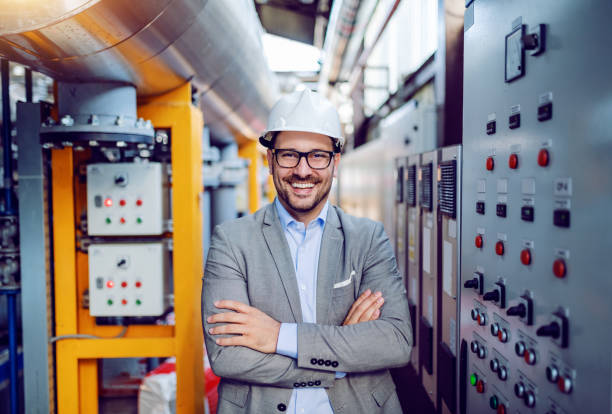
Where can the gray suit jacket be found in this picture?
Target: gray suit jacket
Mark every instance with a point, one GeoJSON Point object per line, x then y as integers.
{"type": "Point", "coordinates": [249, 261]}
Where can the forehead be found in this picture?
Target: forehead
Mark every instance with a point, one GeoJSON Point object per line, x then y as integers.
{"type": "Point", "coordinates": [303, 141]}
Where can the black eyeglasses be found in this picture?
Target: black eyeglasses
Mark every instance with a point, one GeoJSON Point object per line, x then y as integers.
{"type": "Point", "coordinates": [316, 159]}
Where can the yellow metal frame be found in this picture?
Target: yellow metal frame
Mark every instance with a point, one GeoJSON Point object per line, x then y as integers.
{"type": "Point", "coordinates": [250, 151]}
{"type": "Point", "coordinates": [76, 359]}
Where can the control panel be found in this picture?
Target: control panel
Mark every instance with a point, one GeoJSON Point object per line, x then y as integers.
{"type": "Point", "coordinates": [400, 216]}
{"type": "Point", "coordinates": [535, 292]}
{"type": "Point", "coordinates": [127, 199]}
{"type": "Point", "coordinates": [128, 279]}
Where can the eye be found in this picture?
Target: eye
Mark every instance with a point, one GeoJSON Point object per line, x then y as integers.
{"type": "Point", "coordinates": [319, 155]}
{"type": "Point", "coordinates": [288, 155]}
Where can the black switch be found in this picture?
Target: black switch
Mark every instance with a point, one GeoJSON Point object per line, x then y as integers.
{"type": "Point", "coordinates": [480, 207]}
{"type": "Point", "coordinates": [552, 329]}
{"type": "Point", "coordinates": [545, 112]}
{"type": "Point", "coordinates": [519, 310]}
{"type": "Point", "coordinates": [527, 213]}
{"type": "Point", "coordinates": [514, 121]}
{"type": "Point", "coordinates": [98, 201]}
{"type": "Point", "coordinates": [500, 210]}
{"type": "Point", "coordinates": [561, 218]}
{"type": "Point", "coordinates": [491, 127]}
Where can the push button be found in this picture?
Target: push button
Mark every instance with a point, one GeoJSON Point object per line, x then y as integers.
{"type": "Point", "coordinates": [491, 127]}
{"type": "Point", "coordinates": [479, 241]}
{"type": "Point", "coordinates": [526, 257]}
{"type": "Point", "coordinates": [513, 161]}
{"type": "Point", "coordinates": [480, 207]}
{"type": "Point", "coordinates": [530, 400]}
{"type": "Point", "coordinates": [565, 384]}
{"type": "Point", "coordinates": [527, 213]}
{"type": "Point", "coordinates": [543, 157]}
{"type": "Point", "coordinates": [500, 210]}
{"type": "Point", "coordinates": [502, 373]}
{"type": "Point", "coordinates": [490, 164]}
{"type": "Point", "coordinates": [514, 121]}
{"type": "Point", "coordinates": [561, 218]}
{"type": "Point", "coordinates": [499, 248]}
{"type": "Point", "coordinates": [530, 356]}
{"type": "Point", "coordinates": [559, 268]}
{"type": "Point", "coordinates": [552, 373]}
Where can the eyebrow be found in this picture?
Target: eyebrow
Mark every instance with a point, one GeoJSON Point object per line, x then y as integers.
{"type": "Point", "coordinates": [314, 149]}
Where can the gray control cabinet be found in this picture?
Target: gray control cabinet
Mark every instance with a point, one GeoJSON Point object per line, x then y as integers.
{"type": "Point", "coordinates": [537, 191]}
{"type": "Point", "coordinates": [413, 265]}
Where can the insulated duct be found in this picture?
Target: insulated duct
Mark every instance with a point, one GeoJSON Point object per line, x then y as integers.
{"type": "Point", "coordinates": [155, 45]}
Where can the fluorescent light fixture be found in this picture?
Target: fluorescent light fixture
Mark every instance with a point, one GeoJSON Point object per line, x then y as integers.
{"type": "Point", "coordinates": [286, 55]}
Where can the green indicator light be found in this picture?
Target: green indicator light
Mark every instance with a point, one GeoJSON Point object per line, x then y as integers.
{"type": "Point", "coordinates": [139, 220]}
{"type": "Point", "coordinates": [108, 220]}
{"type": "Point", "coordinates": [493, 402]}
{"type": "Point", "coordinates": [473, 379]}
{"type": "Point", "coordinates": [138, 302]}
{"type": "Point", "coordinates": [110, 302]}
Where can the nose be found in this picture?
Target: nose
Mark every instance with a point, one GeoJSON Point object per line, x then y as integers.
{"type": "Point", "coordinates": [302, 169]}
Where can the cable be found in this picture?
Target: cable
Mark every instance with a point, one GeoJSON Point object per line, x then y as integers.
{"type": "Point", "coordinates": [85, 336]}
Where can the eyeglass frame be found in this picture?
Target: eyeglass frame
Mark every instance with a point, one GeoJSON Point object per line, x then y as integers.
{"type": "Point", "coordinates": [304, 155]}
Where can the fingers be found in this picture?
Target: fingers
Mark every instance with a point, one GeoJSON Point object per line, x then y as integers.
{"type": "Point", "coordinates": [233, 341]}
{"type": "Point", "coordinates": [230, 317]}
{"type": "Point", "coordinates": [233, 305]}
{"type": "Point", "coordinates": [368, 314]}
{"type": "Point", "coordinates": [230, 329]}
{"type": "Point", "coordinates": [359, 300]}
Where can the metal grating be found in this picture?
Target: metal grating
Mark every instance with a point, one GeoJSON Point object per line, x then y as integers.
{"type": "Point", "coordinates": [447, 188]}
{"type": "Point", "coordinates": [411, 186]}
{"type": "Point", "coordinates": [425, 193]}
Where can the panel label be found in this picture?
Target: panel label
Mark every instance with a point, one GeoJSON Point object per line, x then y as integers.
{"type": "Point", "coordinates": [427, 250]}
{"type": "Point", "coordinates": [452, 229]}
{"type": "Point", "coordinates": [563, 187]}
{"type": "Point", "coordinates": [447, 268]}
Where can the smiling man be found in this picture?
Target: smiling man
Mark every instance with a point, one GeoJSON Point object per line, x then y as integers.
{"type": "Point", "coordinates": [304, 309]}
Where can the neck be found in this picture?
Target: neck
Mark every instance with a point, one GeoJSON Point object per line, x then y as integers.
{"type": "Point", "coordinates": [304, 216]}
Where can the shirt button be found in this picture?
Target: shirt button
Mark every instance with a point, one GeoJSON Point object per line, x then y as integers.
{"type": "Point", "coordinates": [313, 361]}
{"type": "Point", "coordinates": [317, 383]}
{"type": "Point", "coordinates": [302, 384]}
{"type": "Point", "coordinates": [328, 363]}
{"type": "Point", "coordinates": [303, 286]}
{"type": "Point", "coordinates": [310, 383]}
{"type": "Point", "coordinates": [334, 364]}
{"type": "Point", "coordinates": [321, 362]}
{"type": "Point", "coordinates": [296, 384]}
{"type": "Point", "coordinates": [281, 407]}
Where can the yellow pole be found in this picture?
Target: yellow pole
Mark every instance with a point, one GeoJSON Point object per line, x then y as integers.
{"type": "Point", "coordinates": [174, 110]}
{"type": "Point", "coordinates": [249, 151]}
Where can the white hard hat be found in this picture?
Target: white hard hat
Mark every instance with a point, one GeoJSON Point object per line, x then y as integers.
{"type": "Point", "coordinates": [305, 111]}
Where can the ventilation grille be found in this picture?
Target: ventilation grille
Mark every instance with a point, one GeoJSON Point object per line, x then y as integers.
{"type": "Point", "coordinates": [426, 195]}
{"type": "Point", "coordinates": [399, 188]}
{"type": "Point", "coordinates": [447, 188]}
{"type": "Point", "coordinates": [411, 186]}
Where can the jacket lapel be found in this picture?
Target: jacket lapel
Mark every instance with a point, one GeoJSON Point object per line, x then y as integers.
{"type": "Point", "coordinates": [330, 257]}
{"type": "Point", "coordinates": [279, 249]}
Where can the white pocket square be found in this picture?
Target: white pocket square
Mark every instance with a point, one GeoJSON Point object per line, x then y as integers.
{"type": "Point", "coordinates": [345, 282]}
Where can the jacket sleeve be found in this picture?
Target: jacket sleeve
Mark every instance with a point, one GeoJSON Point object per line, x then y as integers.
{"type": "Point", "coordinates": [367, 346]}
{"type": "Point", "coordinates": [223, 279]}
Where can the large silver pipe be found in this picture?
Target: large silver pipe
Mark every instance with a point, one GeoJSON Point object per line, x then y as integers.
{"type": "Point", "coordinates": [155, 45]}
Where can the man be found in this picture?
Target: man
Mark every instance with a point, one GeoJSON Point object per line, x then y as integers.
{"type": "Point", "coordinates": [293, 295]}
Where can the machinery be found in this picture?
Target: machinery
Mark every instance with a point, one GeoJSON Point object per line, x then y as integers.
{"type": "Point", "coordinates": [535, 290]}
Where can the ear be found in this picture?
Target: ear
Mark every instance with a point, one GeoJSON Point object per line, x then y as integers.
{"type": "Point", "coordinates": [270, 157]}
{"type": "Point", "coordinates": [336, 163]}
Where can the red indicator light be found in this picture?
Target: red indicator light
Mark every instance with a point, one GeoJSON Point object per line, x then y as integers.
{"type": "Point", "coordinates": [559, 268]}
{"type": "Point", "coordinates": [122, 220]}
{"type": "Point", "coordinates": [480, 386]}
{"type": "Point", "coordinates": [124, 302]}
{"type": "Point", "coordinates": [526, 257]}
{"type": "Point", "coordinates": [543, 157]}
{"type": "Point", "coordinates": [123, 284]}
{"type": "Point", "coordinates": [564, 384]}
{"type": "Point", "coordinates": [110, 284]}
{"type": "Point", "coordinates": [501, 409]}
{"type": "Point", "coordinates": [490, 164]}
{"type": "Point", "coordinates": [108, 202]}
{"type": "Point", "coordinates": [139, 202]}
{"type": "Point", "coordinates": [479, 241]}
{"type": "Point", "coordinates": [499, 248]}
{"type": "Point", "coordinates": [122, 203]}
{"type": "Point", "coordinates": [138, 284]}
{"type": "Point", "coordinates": [513, 161]}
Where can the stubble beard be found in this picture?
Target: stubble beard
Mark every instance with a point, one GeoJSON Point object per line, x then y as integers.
{"type": "Point", "coordinates": [285, 195]}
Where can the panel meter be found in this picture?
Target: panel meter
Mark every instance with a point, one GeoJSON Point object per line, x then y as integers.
{"type": "Point", "coordinates": [128, 279]}
{"type": "Point", "coordinates": [126, 199]}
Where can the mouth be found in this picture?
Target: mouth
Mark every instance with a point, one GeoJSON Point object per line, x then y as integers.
{"type": "Point", "coordinates": [302, 185]}
{"type": "Point", "coordinates": [302, 188]}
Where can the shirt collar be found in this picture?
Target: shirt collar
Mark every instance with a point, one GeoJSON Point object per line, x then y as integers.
{"type": "Point", "coordinates": [286, 218]}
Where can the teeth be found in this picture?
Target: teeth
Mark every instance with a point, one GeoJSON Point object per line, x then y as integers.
{"type": "Point", "coordinates": [304, 185]}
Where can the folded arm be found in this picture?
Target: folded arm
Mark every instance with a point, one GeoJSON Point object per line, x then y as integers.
{"type": "Point", "coordinates": [382, 343]}
{"type": "Point", "coordinates": [223, 280]}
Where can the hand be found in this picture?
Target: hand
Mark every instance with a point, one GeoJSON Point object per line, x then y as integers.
{"type": "Point", "coordinates": [253, 328]}
{"type": "Point", "coordinates": [366, 308]}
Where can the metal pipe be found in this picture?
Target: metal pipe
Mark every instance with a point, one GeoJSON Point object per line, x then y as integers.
{"type": "Point", "coordinates": [363, 58]}
{"type": "Point", "coordinates": [28, 84]}
{"type": "Point", "coordinates": [6, 139]}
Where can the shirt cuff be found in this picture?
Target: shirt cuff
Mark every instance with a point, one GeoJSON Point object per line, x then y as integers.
{"type": "Point", "coordinates": [287, 340]}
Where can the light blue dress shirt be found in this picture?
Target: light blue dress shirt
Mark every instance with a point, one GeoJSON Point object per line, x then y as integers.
{"type": "Point", "coordinates": [304, 245]}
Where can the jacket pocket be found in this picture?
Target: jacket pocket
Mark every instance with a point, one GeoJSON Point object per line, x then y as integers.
{"type": "Point", "coordinates": [234, 393]}
{"type": "Point", "coordinates": [383, 391]}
